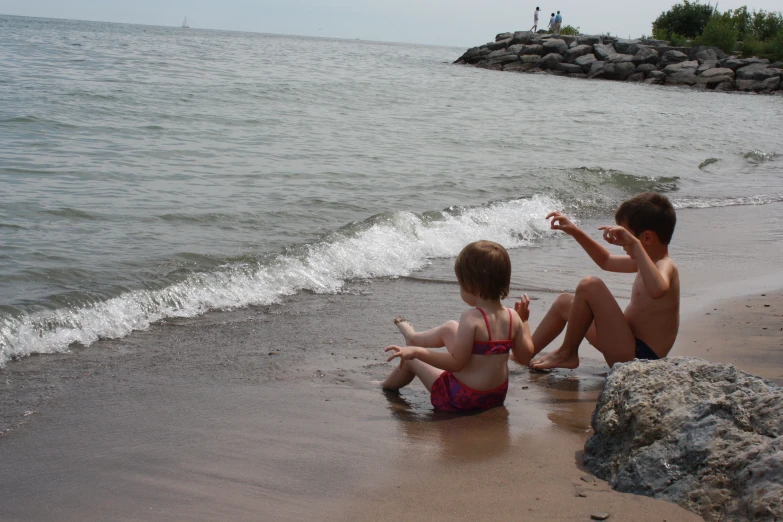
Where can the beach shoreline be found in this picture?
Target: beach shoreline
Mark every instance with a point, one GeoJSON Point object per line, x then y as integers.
{"type": "Point", "coordinates": [311, 434]}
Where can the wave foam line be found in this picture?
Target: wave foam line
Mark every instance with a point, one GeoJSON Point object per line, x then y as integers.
{"type": "Point", "coordinates": [693, 202]}
{"type": "Point", "coordinates": [381, 247]}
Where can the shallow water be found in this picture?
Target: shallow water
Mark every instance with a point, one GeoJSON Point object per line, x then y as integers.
{"type": "Point", "coordinates": [152, 172]}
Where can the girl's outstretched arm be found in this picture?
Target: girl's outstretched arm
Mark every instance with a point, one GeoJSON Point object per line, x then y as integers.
{"type": "Point", "coordinates": [457, 356]}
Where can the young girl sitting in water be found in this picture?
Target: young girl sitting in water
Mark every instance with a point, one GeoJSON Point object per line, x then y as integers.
{"type": "Point", "coordinates": [473, 373]}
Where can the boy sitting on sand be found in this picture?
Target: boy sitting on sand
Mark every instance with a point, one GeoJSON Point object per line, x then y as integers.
{"type": "Point", "coordinates": [648, 327]}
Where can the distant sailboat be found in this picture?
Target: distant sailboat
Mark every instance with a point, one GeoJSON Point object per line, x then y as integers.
{"type": "Point", "coordinates": [185, 23]}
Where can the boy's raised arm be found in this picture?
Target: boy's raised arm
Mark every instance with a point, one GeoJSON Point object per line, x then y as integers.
{"type": "Point", "coordinates": [656, 280]}
{"type": "Point", "coordinates": [597, 253]}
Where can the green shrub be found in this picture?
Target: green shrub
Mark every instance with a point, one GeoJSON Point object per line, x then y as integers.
{"type": "Point", "coordinates": [776, 47]}
{"type": "Point", "coordinates": [570, 30]}
{"type": "Point", "coordinates": [766, 25]}
{"type": "Point", "coordinates": [679, 41]}
{"type": "Point", "coordinates": [720, 33]}
{"type": "Point", "coordinates": [752, 47]}
{"type": "Point", "coordinates": [687, 19]}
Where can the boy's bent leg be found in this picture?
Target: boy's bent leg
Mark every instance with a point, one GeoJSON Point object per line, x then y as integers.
{"type": "Point", "coordinates": [613, 336]}
{"type": "Point", "coordinates": [553, 322]}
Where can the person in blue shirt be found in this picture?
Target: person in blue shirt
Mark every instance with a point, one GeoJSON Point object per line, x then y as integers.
{"type": "Point", "coordinates": [558, 22]}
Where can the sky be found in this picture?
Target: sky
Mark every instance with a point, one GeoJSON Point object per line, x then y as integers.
{"type": "Point", "coordinates": [459, 23]}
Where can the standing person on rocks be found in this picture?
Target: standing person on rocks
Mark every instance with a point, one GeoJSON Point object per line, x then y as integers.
{"type": "Point", "coordinates": [535, 20]}
{"type": "Point", "coordinates": [558, 22]}
{"type": "Point", "coordinates": [552, 23]}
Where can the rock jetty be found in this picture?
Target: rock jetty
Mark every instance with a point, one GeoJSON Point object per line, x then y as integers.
{"type": "Point", "coordinates": [643, 60]}
{"type": "Point", "coordinates": [706, 436]}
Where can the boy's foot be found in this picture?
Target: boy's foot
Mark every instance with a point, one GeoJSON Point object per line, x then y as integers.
{"type": "Point", "coordinates": [405, 328]}
{"type": "Point", "coordinates": [557, 359]}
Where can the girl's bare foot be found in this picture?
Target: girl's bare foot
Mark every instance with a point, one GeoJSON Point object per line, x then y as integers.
{"type": "Point", "coordinates": [558, 359]}
{"type": "Point", "coordinates": [405, 328]}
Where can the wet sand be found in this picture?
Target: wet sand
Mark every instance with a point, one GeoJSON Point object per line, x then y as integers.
{"type": "Point", "coordinates": [275, 413]}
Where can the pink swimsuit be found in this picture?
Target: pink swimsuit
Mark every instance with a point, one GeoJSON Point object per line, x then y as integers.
{"type": "Point", "coordinates": [449, 394]}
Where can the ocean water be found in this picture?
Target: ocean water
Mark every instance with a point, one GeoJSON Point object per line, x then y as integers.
{"type": "Point", "coordinates": [150, 172]}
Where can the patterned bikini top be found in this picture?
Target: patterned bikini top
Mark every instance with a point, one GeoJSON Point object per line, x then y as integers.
{"type": "Point", "coordinates": [494, 347]}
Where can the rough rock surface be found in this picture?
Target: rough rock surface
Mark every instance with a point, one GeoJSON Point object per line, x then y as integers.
{"type": "Point", "coordinates": [585, 62]}
{"type": "Point", "coordinates": [576, 52]}
{"type": "Point", "coordinates": [706, 436]}
{"type": "Point", "coordinates": [602, 52]}
{"type": "Point", "coordinates": [645, 68]}
{"type": "Point", "coordinates": [550, 61]}
{"type": "Point", "coordinates": [681, 67]}
{"type": "Point", "coordinates": [620, 58]}
{"type": "Point", "coordinates": [670, 57]}
{"type": "Point", "coordinates": [622, 45]}
{"type": "Point", "coordinates": [715, 76]}
{"type": "Point", "coordinates": [646, 55]}
{"type": "Point", "coordinates": [532, 49]}
{"type": "Point", "coordinates": [555, 46]}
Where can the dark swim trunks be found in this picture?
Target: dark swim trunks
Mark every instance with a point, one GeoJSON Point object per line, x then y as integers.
{"type": "Point", "coordinates": [645, 352]}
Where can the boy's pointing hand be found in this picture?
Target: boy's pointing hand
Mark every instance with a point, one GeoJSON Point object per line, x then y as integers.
{"type": "Point", "coordinates": [560, 222]}
{"type": "Point", "coordinates": [616, 235]}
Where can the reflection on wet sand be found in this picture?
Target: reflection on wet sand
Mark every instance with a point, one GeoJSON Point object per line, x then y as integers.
{"type": "Point", "coordinates": [463, 437]}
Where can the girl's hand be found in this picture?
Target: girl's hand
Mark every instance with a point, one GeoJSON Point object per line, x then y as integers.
{"type": "Point", "coordinates": [560, 222]}
{"type": "Point", "coordinates": [522, 307]}
{"type": "Point", "coordinates": [405, 353]}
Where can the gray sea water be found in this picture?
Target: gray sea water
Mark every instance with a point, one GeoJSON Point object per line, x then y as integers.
{"type": "Point", "coordinates": [150, 172]}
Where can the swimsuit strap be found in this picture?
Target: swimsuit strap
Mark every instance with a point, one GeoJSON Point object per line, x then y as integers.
{"type": "Point", "coordinates": [486, 321]}
{"type": "Point", "coordinates": [510, 324]}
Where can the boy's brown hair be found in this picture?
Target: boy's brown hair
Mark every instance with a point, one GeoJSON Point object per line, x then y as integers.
{"type": "Point", "coordinates": [483, 268]}
{"type": "Point", "coordinates": [648, 211]}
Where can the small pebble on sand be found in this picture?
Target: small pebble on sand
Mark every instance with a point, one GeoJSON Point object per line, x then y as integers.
{"type": "Point", "coordinates": [599, 516]}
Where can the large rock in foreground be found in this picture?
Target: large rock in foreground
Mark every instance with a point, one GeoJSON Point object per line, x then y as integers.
{"type": "Point", "coordinates": [706, 436]}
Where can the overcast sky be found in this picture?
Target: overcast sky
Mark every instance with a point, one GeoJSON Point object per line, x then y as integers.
{"type": "Point", "coordinates": [460, 23]}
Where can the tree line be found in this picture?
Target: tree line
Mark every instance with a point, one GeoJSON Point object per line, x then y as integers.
{"type": "Point", "coordinates": [750, 33]}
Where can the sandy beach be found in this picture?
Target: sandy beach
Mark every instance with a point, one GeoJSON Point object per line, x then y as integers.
{"type": "Point", "coordinates": [166, 430]}
{"type": "Point", "coordinates": [264, 413]}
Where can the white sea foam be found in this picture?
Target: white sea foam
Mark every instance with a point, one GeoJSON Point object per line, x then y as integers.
{"type": "Point", "coordinates": [706, 202]}
{"type": "Point", "coordinates": [391, 247]}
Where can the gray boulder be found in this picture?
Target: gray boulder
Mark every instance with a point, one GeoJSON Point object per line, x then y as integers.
{"type": "Point", "coordinates": [576, 52]}
{"type": "Point", "coordinates": [636, 77]}
{"type": "Point", "coordinates": [550, 61]}
{"type": "Point", "coordinates": [756, 71]}
{"type": "Point", "coordinates": [706, 436]}
{"type": "Point", "coordinates": [555, 46]}
{"type": "Point", "coordinates": [646, 55]}
{"type": "Point", "coordinates": [715, 76]}
{"type": "Point", "coordinates": [532, 49]}
{"type": "Point", "coordinates": [472, 55]}
{"type": "Point", "coordinates": [725, 87]}
{"type": "Point", "coordinates": [502, 57]}
{"type": "Point", "coordinates": [516, 48]}
{"type": "Point", "coordinates": [620, 58]}
{"type": "Point", "coordinates": [618, 71]}
{"type": "Point", "coordinates": [569, 68]}
{"type": "Point", "coordinates": [596, 69]}
{"type": "Point", "coordinates": [681, 78]}
{"type": "Point", "coordinates": [622, 45]}
{"type": "Point", "coordinates": [585, 62]}
{"type": "Point", "coordinates": [671, 57]}
{"type": "Point", "coordinates": [635, 48]}
{"type": "Point", "coordinates": [503, 36]}
{"type": "Point", "coordinates": [706, 66]}
{"type": "Point", "coordinates": [529, 58]}
{"type": "Point", "coordinates": [586, 39]}
{"type": "Point", "coordinates": [737, 63]}
{"type": "Point", "coordinates": [602, 52]}
{"type": "Point", "coordinates": [707, 54]}
{"type": "Point", "coordinates": [523, 37]}
{"type": "Point", "coordinates": [501, 44]}
{"type": "Point", "coordinates": [518, 66]}
{"type": "Point", "coordinates": [681, 67]}
{"type": "Point", "coordinates": [657, 74]}
{"type": "Point", "coordinates": [768, 85]}
{"type": "Point", "coordinates": [645, 68]}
